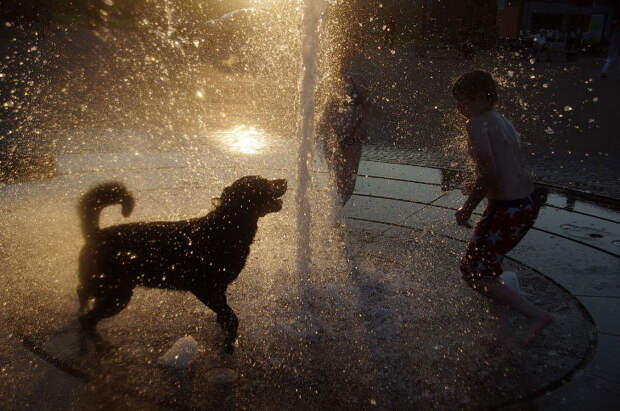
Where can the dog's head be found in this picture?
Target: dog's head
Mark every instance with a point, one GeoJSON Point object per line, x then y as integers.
{"type": "Point", "coordinates": [254, 194]}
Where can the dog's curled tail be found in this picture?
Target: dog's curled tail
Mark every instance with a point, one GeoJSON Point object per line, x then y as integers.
{"type": "Point", "coordinates": [96, 199]}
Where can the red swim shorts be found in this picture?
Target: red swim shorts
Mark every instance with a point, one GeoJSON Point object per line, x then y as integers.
{"type": "Point", "coordinates": [502, 226]}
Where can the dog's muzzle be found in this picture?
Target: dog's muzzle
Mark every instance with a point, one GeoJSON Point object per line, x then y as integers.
{"type": "Point", "coordinates": [279, 187]}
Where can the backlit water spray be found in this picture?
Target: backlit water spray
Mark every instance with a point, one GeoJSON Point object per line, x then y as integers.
{"type": "Point", "coordinates": [179, 99]}
{"type": "Point", "coordinates": [313, 12]}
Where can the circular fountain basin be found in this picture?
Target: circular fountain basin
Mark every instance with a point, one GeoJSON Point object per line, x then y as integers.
{"type": "Point", "coordinates": [381, 317]}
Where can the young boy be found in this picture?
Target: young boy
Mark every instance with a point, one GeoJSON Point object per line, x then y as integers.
{"type": "Point", "coordinates": [512, 205]}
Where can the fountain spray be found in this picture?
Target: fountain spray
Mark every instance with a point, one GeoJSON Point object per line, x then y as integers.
{"type": "Point", "coordinates": [313, 12]}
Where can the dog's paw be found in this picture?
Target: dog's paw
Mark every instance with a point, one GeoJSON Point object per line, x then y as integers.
{"type": "Point", "coordinates": [87, 326]}
{"type": "Point", "coordinates": [103, 347]}
{"type": "Point", "coordinates": [229, 346]}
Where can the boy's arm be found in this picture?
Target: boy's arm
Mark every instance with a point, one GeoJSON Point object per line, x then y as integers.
{"type": "Point", "coordinates": [481, 187]}
{"type": "Point", "coordinates": [486, 179]}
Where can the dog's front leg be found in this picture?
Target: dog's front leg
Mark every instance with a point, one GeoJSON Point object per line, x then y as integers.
{"type": "Point", "coordinates": [230, 323]}
{"type": "Point", "coordinates": [226, 318]}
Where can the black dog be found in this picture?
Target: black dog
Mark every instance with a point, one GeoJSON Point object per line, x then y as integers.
{"type": "Point", "coordinates": [202, 255]}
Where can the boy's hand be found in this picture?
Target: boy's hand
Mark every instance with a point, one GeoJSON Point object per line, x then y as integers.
{"type": "Point", "coordinates": [468, 187]}
{"type": "Point", "coordinates": [462, 217]}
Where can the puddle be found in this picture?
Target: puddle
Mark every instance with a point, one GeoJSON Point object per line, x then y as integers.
{"type": "Point", "coordinates": [222, 376]}
{"type": "Point", "coordinates": [584, 233]}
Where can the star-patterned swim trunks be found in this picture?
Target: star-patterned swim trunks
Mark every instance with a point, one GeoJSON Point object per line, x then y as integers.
{"type": "Point", "coordinates": [502, 226]}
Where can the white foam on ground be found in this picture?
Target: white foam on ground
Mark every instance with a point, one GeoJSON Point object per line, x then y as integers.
{"type": "Point", "coordinates": [181, 354]}
{"type": "Point", "coordinates": [510, 280]}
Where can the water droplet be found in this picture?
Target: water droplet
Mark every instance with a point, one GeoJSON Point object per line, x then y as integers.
{"type": "Point", "coordinates": [595, 99]}
{"type": "Point", "coordinates": [568, 108]}
{"type": "Point", "coordinates": [511, 73]}
{"type": "Point", "coordinates": [549, 131]}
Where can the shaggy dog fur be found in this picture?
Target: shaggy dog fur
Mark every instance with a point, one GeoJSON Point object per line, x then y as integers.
{"type": "Point", "coordinates": [201, 255]}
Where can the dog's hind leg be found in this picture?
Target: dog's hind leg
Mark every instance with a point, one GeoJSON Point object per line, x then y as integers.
{"type": "Point", "coordinates": [87, 285]}
{"type": "Point", "coordinates": [226, 318]}
{"type": "Point", "coordinates": [83, 297]}
{"type": "Point", "coordinates": [105, 306]}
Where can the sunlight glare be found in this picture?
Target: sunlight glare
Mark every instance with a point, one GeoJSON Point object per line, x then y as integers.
{"type": "Point", "coordinates": [245, 139]}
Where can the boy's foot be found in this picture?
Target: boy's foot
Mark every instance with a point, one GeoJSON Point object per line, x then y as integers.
{"type": "Point", "coordinates": [536, 327]}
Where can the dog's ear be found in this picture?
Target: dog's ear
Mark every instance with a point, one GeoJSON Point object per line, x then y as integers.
{"type": "Point", "coordinates": [216, 201]}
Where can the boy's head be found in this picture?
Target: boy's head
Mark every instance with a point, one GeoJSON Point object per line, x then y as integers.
{"type": "Point", "coordinates": [475, 93]}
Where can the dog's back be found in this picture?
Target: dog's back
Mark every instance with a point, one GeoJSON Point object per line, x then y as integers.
{"type": "Point", "coordinates": [182, 255]}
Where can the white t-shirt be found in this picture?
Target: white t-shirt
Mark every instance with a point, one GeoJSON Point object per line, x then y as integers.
{"type": "Point", "coordinates": [494, 140]}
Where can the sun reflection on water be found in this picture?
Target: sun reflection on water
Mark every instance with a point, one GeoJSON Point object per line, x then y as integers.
{"type": "Point", "coordinates": [245, 139]}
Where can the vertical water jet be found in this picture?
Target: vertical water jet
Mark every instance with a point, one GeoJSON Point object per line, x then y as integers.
{"type": "Point", "coordinates": [313, 12]}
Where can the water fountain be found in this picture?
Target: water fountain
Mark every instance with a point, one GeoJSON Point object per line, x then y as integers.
{"type": "Point", "coordinates": [177, 113]}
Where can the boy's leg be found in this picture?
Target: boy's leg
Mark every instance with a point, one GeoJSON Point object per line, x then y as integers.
{"type": "Point", "coordinates": [610, 61]}
{"type": "Point", "coordinates": [503, 294]}
{"type": "Point", "coordinates": [606, 66]}
{"type": "Point", "coordinates": [499, 231]}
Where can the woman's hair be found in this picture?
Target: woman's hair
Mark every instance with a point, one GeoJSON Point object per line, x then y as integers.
{"type": "Point", "coordinates": [475, 83]}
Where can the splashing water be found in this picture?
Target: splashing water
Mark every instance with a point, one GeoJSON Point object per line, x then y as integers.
{"type": "Point", "coordinates": [169, 19]}
{"type": "Point", "coordinates": [179, 111]}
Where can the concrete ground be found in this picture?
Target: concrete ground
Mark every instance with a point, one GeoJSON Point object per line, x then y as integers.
{"type": "Point", "coordinates": [415, 342]}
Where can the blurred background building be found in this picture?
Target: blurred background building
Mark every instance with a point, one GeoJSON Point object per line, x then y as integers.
{"type": "Point", "coordinates": [592, 18]}
{"type": "Point", "coordinates": [425, 21]}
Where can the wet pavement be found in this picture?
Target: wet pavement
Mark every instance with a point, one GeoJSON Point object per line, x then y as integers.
{"type": "Point", "coordinates": [399, 223]}
{"type": "Point", "coordinates": [573, 242]}
{"type": "Point", "coordinates": [594, 174]}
